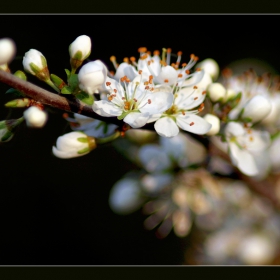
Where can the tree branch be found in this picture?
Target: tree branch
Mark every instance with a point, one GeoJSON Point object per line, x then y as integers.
{"type": "Point", "coordinates": [70, 104]}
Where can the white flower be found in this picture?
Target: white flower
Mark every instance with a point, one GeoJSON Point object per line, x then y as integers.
{"type": "Point", "coordinates": [210, 66]}
{"type": "Point", "coordinates": [135, 103]}
{"type": "Point", "coordinates": [257, 108]}
{"type": "Point", "coordinates": [244, 145]}
{"type": "Point", "coordinates": [90, 126]}
{"type": "Point", "coordinates": [216, 92]}
{"type": "Point", "coordinates": [73, 144]}
{"type": "Point", "coordinates": [80, 49]}
{"type": "Point", "coordinates": [35, 117]}
{"type": "Point", "coordinates": [215, 122]}
{"type": "Point", "coordinates": [92, 76]}
{"type": "Point", "coordinates": [182, 113]}
{"type": "Point", "coordinates": [7, 50]}
{"type": "Point", "coordinates": [125, 196]}
{"type": "Point", "coordinates": [34, 62]}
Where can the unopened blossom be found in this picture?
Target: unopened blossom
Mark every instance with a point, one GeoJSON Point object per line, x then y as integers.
{"type": "Point", "coordinates": [35, 117]}
{"type": "Point", "coordinates": [188, 102]}
{"type": "Point", "coordinates": [215, 122]}
{"type": "Point", "coordinates": [216, 92]}
{"type": "Point", "coordinates": [73, 144]}
{"type": "Point", "coordinates": [7, 50]}
{"type": "Point", "coordinates": [135, 103]}
{"type": "Point", "coordinates": [79, 50]}
{"type": "Point", "coordinates": [257, 108]}
{"type": "Point", "coordinates": [35, 63]}
{"type": "Point", "coordinates": [92, 76]}
{"type": "Point", "coordinates": [244, 145]}
{"type": "Point", "coordinates": [210, 66]}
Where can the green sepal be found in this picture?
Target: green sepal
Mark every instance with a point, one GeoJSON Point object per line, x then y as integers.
{"type": "Point", "coordinates": [44, 61]}
{"type": "Point", "coordinates": [16, 92]}
{"type": "Point", "coordinates": [85, 150]}
{"type": "Point", "coordinates": [123, 115]}
{"type": "Point", "coordinates": [82, 139]}
{"type": "Point", "coordinates": [35, 68]}
{"type": "Point", "coordinates": [233, 101]}
{"type": "Point", "coordinates": [85, 97]}
{"type": "Point", "coordinates": [20, 74]}
{"type": "Point", "coordinates": [247, 120]}
{"type": "Point", "coordinates": [78, 55]}
{"type": "Point", "coordinates": [57, 81]}
{"type": "Point", "coordinates": [274, 136]}
{"type": "Point", "coordinates": [7, 136]}
{"type": "Point", "coordinates": [66, 90]}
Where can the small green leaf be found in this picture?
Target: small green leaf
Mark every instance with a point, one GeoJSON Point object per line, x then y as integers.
{"type": "Point", "coordinates": [73, 81]}
{"type": "Point", "coordinates": [66, 90]}
{"type": "Point", "coordinates": [58, 81]}
{"type": "Point", "coordinates": [78, 55]}
{"type": "Point", "coordinates": [68, 73]}
{"type": "Point", "coordinates": [85, 97]}
{"type": "Point", "coordinates": [20, 75]}
{"type": "Point", "coordinates": [16, 92]}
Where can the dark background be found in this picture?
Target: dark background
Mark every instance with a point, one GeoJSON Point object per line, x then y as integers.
{"type": "Point", "coordinates": [56, 212]}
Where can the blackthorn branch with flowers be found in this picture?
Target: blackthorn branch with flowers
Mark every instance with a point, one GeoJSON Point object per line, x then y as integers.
{"type": "Point", "coordinates": [189, 134]}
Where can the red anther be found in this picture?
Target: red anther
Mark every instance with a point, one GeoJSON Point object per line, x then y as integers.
{"type": "Point", "coordinates": [151, 77]}
{"type": "Point", "coordinates": [146, 83]}
{"type": "Point", "coordinates": [179, 53]}
{"type": "Point", "coordinates": [188, 72]}
{"type": "Point", "coordinates": [180, 75]}
{"type": "Point", "coordinates": [156, 52]}
{"type": "Point", "coordinates": [198, 69]}
{"type": "Point", "coordinates": [126, 59]}
{"type": "Point", "coordinates": [149, 101]}
{"type": "Point", "coordinates": [126, 105]}
{"type": "Point", "coordinates": [110, 97]}
{"type": "Point", "coordinates": [184, 64]}
{"type": "Point", "coordinates": [115, 90]}
{"type": "Point", "coordinates": [183, 112]}
{"type": "Point", "coordinates": [108, 83]}
{"type": "Point", "coordinates": [251, 138]}
{"type": "Point", "coordinates": [113, 58]}
{"type": "Point", "coordinates": [204, 92]}
{"type": "Point", "coordinates": [135, 99]}
{"type": "Point", "coordinates": [147, 87]}
{"type": "Point", "coordinates": [166, 80]}
{"type": "Point", "coordinates": [192, 123]}
{"type": "Point", "coordinates": [65, 115]}
{"type": "Point", "coordinates": [194, 87]}
{"type": "Point", "coordinates": [132, 58]}
{"type": "Point", "coordinates": [123, 98]}
{"type": "Point", "coordinates": [144, 56]}
{"type": "Point", "coordinates": [195, 98]}
{"type": "Point", "coordinates": [140, 72]}
{"type": "Point", "coordinates": [149, 62]}
{"type": "Point", "coordinates": [168, 50]}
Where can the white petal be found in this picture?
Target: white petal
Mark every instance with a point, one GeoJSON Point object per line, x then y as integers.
{"type": "Point", "coordinates": [135, 119]}
{"type": "Point", "coordinates": [169, 74]}
{"type": "Point", "coordinates": [199, 126]}
{"type": "Point", "coordinates": [125, 69]}
{"type": "Point", "coordinates": [68, 154]}
{"type": "Point", "coordinates": [106, 109]}
{"type": "Point", "coordinates": [243, 160]}
{"type": "Point", "coordinates": [166, 127]}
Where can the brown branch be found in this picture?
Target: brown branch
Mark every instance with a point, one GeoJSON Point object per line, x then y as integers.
{"type": "Point", "coordinates": [70, 104]}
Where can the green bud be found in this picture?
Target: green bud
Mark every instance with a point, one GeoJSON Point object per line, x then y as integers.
{"type": "Point", "coordinates": [20, 75]}
{"type": "Point", "coordinates": [58, 81]}
{"type": "Point", "coordinates": [18, 103]}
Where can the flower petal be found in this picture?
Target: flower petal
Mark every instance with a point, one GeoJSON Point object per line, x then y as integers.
{"type": "Point", "coordinates": [193, 123]}
{"type": "Point", "coordinates": [106, 109]}
{"type": "Point", "coordinates": [166, 127]}
{"type": "Point", "coordinates": [136, 119]}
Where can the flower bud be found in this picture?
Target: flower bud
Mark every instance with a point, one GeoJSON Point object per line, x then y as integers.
{"type": "Point", "coordinates": [7, 128]}
{"type": "Point", "coordinates": [35, 63]}
{"type": "Point", "coordinates": [73, 144]}
{"type": "Point", "coordinates": [7, 50]}
{"type": "Point", "coordinates": [210, 66]}
{"type": "Point", "coordinates": [79, 50]}
{"type": "Point", "coordinates": [257, 108]}
{"type": "Point", "coordinates": [216, 92]}
{"type": "Point", "coordinates": [92, 76]}
{"type": "Point", "coordinates": [35, 117]}
{"type": "Point", "coordinates": [215, 121]}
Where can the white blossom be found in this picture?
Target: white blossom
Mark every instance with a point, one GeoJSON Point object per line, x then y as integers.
{"type": "Point", "coordinates": [210, 66]}
{"type": "Point", "coordinates": [35, 117]}
{"type": "Point", "coordinates": [216, 92]}
{"type": "Point", "coordinates": [80, 48]}
{"type": "Point", "coordinates": [92, 76]}
{"type": "Point", "coordinates": [7, 50]}
{"type": "Point", "coordinates": [135, 103]}
{"type": "Point", "coordinates": [34, 62]}
{"type": "Point", "coordinates": [73, 144]}
{"type": "Point", "coordinates": [215, 122]}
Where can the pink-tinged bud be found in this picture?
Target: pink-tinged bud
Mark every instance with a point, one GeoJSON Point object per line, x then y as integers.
{"type": "Point", "coordinates": [92, 76]}
{"type": "Point", "coordinates": [257, 108]}
{"type": "Point", "coordinates": [7, 50]}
